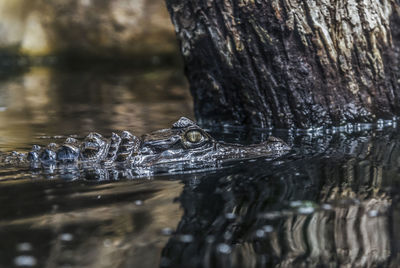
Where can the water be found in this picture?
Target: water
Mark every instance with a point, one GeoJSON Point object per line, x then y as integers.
{"type": "Point", "coordinates": [44, 102]}
{"type": "Point", "coordinates": [333, 201]}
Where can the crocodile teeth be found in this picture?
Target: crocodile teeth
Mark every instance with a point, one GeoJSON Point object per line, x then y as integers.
{"type": "Point", "coordinates": [93, 147]}
{"type": "Point", "coordinates": [129, 144]}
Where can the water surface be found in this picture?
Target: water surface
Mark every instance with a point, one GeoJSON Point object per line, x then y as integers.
{"type": "Point", "coordinates": [332, 201]}
{"type": "Point", "coordinates": [44, 102]}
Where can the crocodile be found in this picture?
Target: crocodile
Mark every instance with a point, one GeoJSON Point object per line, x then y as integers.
{"type": "Point", "coordinates": [183, 146]}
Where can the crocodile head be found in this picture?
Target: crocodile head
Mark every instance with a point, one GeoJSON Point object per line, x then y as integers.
{"type": "Point", "coordinates": [186, 142]}
{"type": "Point", "coordinates": [183, 145]}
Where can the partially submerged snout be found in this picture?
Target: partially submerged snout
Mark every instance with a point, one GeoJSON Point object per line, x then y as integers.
{"type": "Point", "coordinates": [184, 142]}
{"type": "Point", "coordinates": [272, 148]}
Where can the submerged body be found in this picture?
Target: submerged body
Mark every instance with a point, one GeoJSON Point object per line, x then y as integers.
{"type": "Point", "coordinates": [184, 145]}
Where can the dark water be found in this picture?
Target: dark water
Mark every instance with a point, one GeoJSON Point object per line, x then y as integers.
{"type": "Point", "coordinates": [333, 201]}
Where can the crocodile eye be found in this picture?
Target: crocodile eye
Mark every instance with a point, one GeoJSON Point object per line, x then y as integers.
{"type": "Point", "coordinates": [194, 136]}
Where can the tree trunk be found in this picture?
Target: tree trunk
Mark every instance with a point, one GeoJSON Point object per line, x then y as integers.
{"type": "Point", "coordinates": [291, 63]}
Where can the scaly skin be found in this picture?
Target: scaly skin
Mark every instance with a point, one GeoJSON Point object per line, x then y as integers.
{"type": "Point", "coordinates": [183, 145]}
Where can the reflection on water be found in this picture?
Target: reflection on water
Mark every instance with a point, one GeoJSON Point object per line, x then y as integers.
{"type": "Point", "coordinates": [331, 209]}
{"type": "Point", "coordinates": [48, 102]}
{"type": "Point", "coordinates": [333, 201]}
{"type": "Point", "coordinates": [56, 224]}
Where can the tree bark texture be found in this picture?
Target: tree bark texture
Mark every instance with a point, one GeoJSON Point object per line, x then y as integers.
{"type": "Point", "coordinates": [291, 63]}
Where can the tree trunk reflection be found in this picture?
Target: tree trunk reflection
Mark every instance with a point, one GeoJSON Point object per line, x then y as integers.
{"type": "Point", "coordinates": [327, 209]}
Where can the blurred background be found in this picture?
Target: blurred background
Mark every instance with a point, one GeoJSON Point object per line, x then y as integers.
{"type": "Point", "coordinates": [75, 66]}
{"type": "Point", "coordinates": [86, 28]}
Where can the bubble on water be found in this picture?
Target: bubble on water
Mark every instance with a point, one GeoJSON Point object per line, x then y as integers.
{"type": "Point", "coordinates": [166, 231]}
{"type": "Point", "coordinates": [25, 246]}
{"type": "Point", "coordinates": [294, 204]}
{"type": "Point", "coordinates": [186, 238]}
{"type": "Point", "coordinates": [224, 248]}
{"type": "Point", "coordinates": [305, 210]}
{"type": "Point", "coordinates": [25, 260]}
{"type": "Point", "coordinates": [66, 237]}
{"type": "Point", "coordinates": [373, 213]}
{"type": "Point", "coordinates": [260, 233]}
{"type": "Point", "coordinates": [99, 196]}
{"type": "Point", "coordinates": [138, 202]}
{"type": "Point", "coordinates": [268, 228]}
{"type": "Point", "coordinates": [303, 207]}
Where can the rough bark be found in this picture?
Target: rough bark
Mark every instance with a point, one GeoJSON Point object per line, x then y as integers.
{"type": "Point", "coordinates": [290, 63]}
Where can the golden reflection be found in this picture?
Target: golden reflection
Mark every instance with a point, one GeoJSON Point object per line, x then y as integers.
{"type": "Point", "coordinates": [126, 233]}
{"type": "Point", "coordinates": [51, 102]}
{"type": "Point", "coordinates": [27, 99]}
{"type": "Point", "coordinates": [29, 92]}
